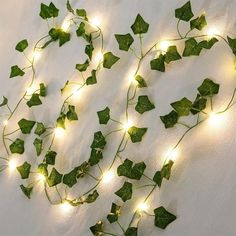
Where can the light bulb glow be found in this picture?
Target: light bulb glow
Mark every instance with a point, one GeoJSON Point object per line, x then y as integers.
{"type": "Point", "coordinates": [32, 89]}
{"type": "Point", "coordinates": [108, 176]}
{"type": "Point", "coordinates": [212, 32]}
{"type": "Point", "coordinates": [96, 21]}
{"type": "Point", "coordinates": [215, 119]}
{"type": "Point", "coordinates": [98, 57]}
{"type": "Point", "coordinates": [12, 164]}
{"type": "Point", "coordinates": [41, 177]}
{"type": "Point", "coordinates": [143, 206]}
{"type": "Point", "coordinates": [65, 25]}
{"type": "Point", "coordinates": [164, 45]}
{"type": "Point", "coordinates": [127, 125]}
{"type": "Point", "coordinates": [59, 132]}
{"type": "Point", "coordinates": [172, 154]}
{"type": "Point", "coordinates": [36, 55]}
{"type": "Point", "coordinates": [5, 122]}
{"type": "Point", "coordinates": [66, 207]}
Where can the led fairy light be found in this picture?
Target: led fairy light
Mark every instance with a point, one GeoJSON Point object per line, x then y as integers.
{"type": "Point", "coordinates": [31, 90]}
{"type": "Point", "coordinates": [163, 46]}
{"type": "Point", "coordinates": [12, 164]}
{"type": "Point", "coordinates": [96, 21]}
{"type": "Point", "coordinates": [66, 207]}
{"type": "Point", "coordinates": [108, 176]}
{"type": "Point", "coordinates": [5, 122]}
{"type": "Point", "coordinates": [41, 177]}
{"type": "Point", "coordinates": [142, 206]}
{"type": "Point", "coordinates": [59, 132]}
{"type": "Point", "coordinates": [98, 57]}
{"type": "Point", "coordinates": [212, 32]}
{"type": "Point", "coordinates": [215, 119]}
{"type": "Point", "coordinates": [128, 125]}
{"type": "Point", "coordinates": [36, 55]}
{"type": "Point", "coordinates": [66, 25]}
{"type": "Point", "coordinates": [172, 154]}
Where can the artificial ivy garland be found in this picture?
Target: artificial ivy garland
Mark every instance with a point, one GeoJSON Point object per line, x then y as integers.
{"type": "Point", "coordinates": [45, 135]}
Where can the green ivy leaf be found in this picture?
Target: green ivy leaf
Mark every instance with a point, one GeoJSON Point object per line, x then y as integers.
{"type": "Point", "coordinates": [163, 218]}
{"type": "Point", "coordinates": [185, 12]}
{"type": "Point", "coordinates": [124, 41]}
{"type": "Point", "coordinates": [232, 44]}
{"type": "Point", "coordinates": [104, 115]}
{"type": "Point", "coordinates": [128, 170]}
{"type": "Point", "coordinates": [199, 104]}
{"type": "Point", "coordinates": [92, 79]}
{"type": "Point", "coordinates": [158, 63]}
{"type": "Point", "coordinates": [89, 50]}
{"type": "Point", "coordinates": [95, 157]}
{"type": "Point", "coordinates": [24, 170]}
{"type": "Point", "coordinates": [64, 37]}
{"type": "Point", "coordinates": [69, 7]}
{"type": "Point", "coordinates": [172, 54]}
{"type": "Point", "coordinates": [38, 144]}
{"type": "Point", "coordinates": [71, 114]}
{"type": "Point", "coordinates": [42, 169]}
{"type": "Point", "coordinates": [82, 67]}
{"type": "Point", "coordinates": [92, 197]}
{"type": "Point", "coordinates": [40, 128]}
{"type": "Point", "coordinates": [26, 125]}
{"type": "Point", "coordinates": [48, 11]}
{"type": "Point", "coordinates": [157, 178]}
{"type": "Point", "coordinates": [170, 119]}
{"type": "Point", "coordinates": [182, 107]}
{"type": "Point", "coordinates": [26, 190]}
{"type": "Point", "coordinates": [16, 71]}
{"type": "Point", "coordinates": [109, 59]}
{"type": "Point", "coordinates": [82, 13]}
{"type": "Point", "coordinates": [61, 121]}
{"type": "Point", "coordinates": [192, 48]}
{"type": "Point", "coordinates": [144, 104]}
{"type": "Point", "coordinates": [141, 81]}
{"type": "Point", "coordinates": [54, 34]}
{"type": "Point", "coordinates": [125, 192]}
{"type": "Point", "coordinates": [82, 169]}
{"type": "Point", "coordinates": [208, 44]}
{"type": "Point", "coordinates": [4, 102]}
{"type": "Point", "coordinates": [70, 179]}
{"type": "Point", "coordinates": [17, 146]}
{"type": "Point", "coordinates": [81, 29]}
{"type": "Point", "coordinates": [22, 45]}
{"type": "Point", "coordinates": [34, 100]}
{"type": "Point", "coordinates": [208, 88]}
{"type": "Point", "coordinates": [42, 90]}
{"type": "Point", "coordinates": [98, 141]}
{"type": "Point", "coordinates": [198, 23]}
{"type": "Point", "coordinates": [140, 26]}
{"type": "Point", "coordinates": [136, 134]}
{"type": "Point", "coordinates": [97, 229]}
{"type": "Point", "coordinates": [114, 214]}
{"type": "Point", "coordinates": [131, 231]}
{"type": "Point", "coordinates": [54, 178]}
{"type": "Point", "coordinates": [50, 157]}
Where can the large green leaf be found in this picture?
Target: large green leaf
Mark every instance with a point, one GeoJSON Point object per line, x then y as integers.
{"type": "Point", "coordinates": [163, 218]}
{"type": "Point", "coordinates": [22, 45]}
{"type": "Point", "coordinates": [95, 157]}
{"type": "Point", "coordinates": [98, 141]}
{"type": "Point", "coordinates": [144, 104]}
{"type": "Point", "coordinates": [192, 48]}
{"type": "Point", "coordinates": [54, 178]}
{"type": "Point", "coordinates": [125, 192]}
{"type": "Point", "coordinates": [199, 104]}
{"type": "Point", "coordinates": [208, 88]}
{"type": "Point", "coordinates": [140, 26]}
{"type": "Point", "coordinates": [40, 128]}
{"type": "Point", "coordinates": [208, 44]}
{"type": "Point", "coordinates": [16, 71]}
{"type": "Point", "coordinates": [158, 63]}
{"type": "Point", "coordinates": [17, 146]}
{"type": "Point", "coordinates": [172, 54]}
{"type": "Point", "coordinates": [24, 170]}
{"type": "Point", "coordinates": [70, 179]}
{"type": "Point", "coordinates": [104, 115]}
{"type": "Point", "coordinates": [34, 100]}
{"type": "Point", "coordinates": [185, 12]}
{"type": "Point", "coordinates": [109, 59]}
{"type": "Point", "coordinates": [26, 125]}
{"type": "Point", "coordinates": [198, 23]}
{"type": "Point", "coordinates": [124, 41]}
{"type": "Point", "coordinates": [136, 134]}
{"type": "Point", "coordinates": [48, 11]}
{"type": "Point", "coordinates": [170, 119]}
{"type": "Point", "coordinates": [114, 213]}
{"type": "Point", "coordinates": [182, 107]}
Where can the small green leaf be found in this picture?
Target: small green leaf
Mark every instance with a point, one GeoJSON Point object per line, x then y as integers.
{"type": "Point", "coordinates": [157, 178]}
{"type": "Point", "coordinates": [40, 128]}
{"type": "Point", "coordinates": [208, 88]}
{"type": "Point", "coordinates": [38, 144]}
{"type": "Point", "coordinates": [97, 229]}
{"type": "Point", "coordinates": [136, 134]}
{"type": "Point", "coordinates": [140, 26]}
{"type": "Point", "coordinates": [4, 102]}
{"type": "Point", "coordinates": [92, 79]}
{"type": "Point", "coordinates": [198, 23]}
{"type": "Point", "coordinates": [114, 214]}
{"type": "Point", "coordinates": [50, 157]}
{"type": "Point", "coordinates": [26, 125]}
{"type": "Point", "coordinates": [170, 119]}
{"type": "Point", "coordinates": [185, 12]}
{"type": "Point", "coordinates": [131, 231]}
{"type": "Point", "coordinates": [109, 59]}
{"type": "Point", "coordinates": [61, 121]}
{"type": "Point", "coordinates": [141, 81]}
{"type": "Point", "coordinates": [82, 67]}
{"type": "Point", "coordinates": [192, 48]}
{"type": "Point", "coordinates": [34, 100]}
{"type": "Point", "coordinates": [92, 197]}
{"type": "Point", "coordinates": [71, 114]}
{"type": "Point", "coordinates": [163, 218]}
{"type": "Point", "coordinates": [232, 44]}
{"type": "Point", "coordinates": [172, 54]}
{"type": "Point", "coordinates": [98, 141]}
{"type": "Point", "coordinates": [208, 44]}
{"type": "Point", "coordinates": [64, 37]}
{"type": "Point", "coordinates": [53, 10]}
{"type": "Point", "coordinates": [81, 29]}
{"type": "Point", "coordinates": [82, 13]}
{"type": "Point", "coordinates": [89, 50]}
{"type": "Point", "coordinates": [42, 169]}
{"type": "Point", "coordinates": [166, 170]}
{"type": "Point", "coordinates": [144, 104]}
{"type": "Point", "coordinates": [82, 169]}
{"type": "Point", "coordinates": [104, 116]}
{"type": "Point", "coordinates": [54, 178]}
{"type": "Point", "coordinates": [124, 41]}
{"type": "Point", "coordinates": [26, 190]}
{"type": "Point", "coordinates": [16, 71]}
{"type": "Point", "coordinates": [95, 157]}
{"type": "Point", "coordinates": [54, 34]}
{"type": "Point", "coordinates": [69, 7]}
{"type": "Point", "coordinates": [128, 170]}
{"type": "Point", "coordinates": [199, 104]}
{"type": "Point", "coordinates": [22, 45]}
{"type": "Point", "coordinates": [24, 170]}
{"type": "Point", "coordinates": [48, 11]}
{"type": "Point", "coordinates": [125, 192]}
{"type": "Point", "coordinates": [182, 107]}
{"type": "Point", "coordinates": [70, 179]}
{"type": "Point", "coordinates": [42, 90]}
{"type": "Point", "coordinates": [158, 63]}
{"type": "Point", "coordinates": [17, 146]}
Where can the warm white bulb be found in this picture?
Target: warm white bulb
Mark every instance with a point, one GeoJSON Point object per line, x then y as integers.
{"type": "Point", "coordinates": [59, 132]}
{"type": "Point", "coordinates": [5, 122]}
{"type": "Point", "coordinates": [128, 125]}
{"type": "Point", "coordinates": [98, 57]}
{"type": "Point", "coordinates": [172, 154]}
{"type": "Point", "coordinates": [143, 206]}
{"type": "Point", "coordinates": [164, 45]}
{"type": "Point", "coordinates": [32, 89]}
{"type": "Point", "coordinates": [12, 164]}
{"type": "Point", "coordinates": [65, 25]}
{"type": "Point", "coordinates": [66, 207]}
{"type": "Point", "coordinates": [36, 55]}
{"type": "Point", "coordinates": [96, 21]}
{"type": "Point", "coordinates": [41, 177]}
{"type": "Point", "coordinates": [108, 176]}
{"type": "Point", "coordinates": [212, 32]}
{"type": "Point", "coordinates": [215, 119]}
